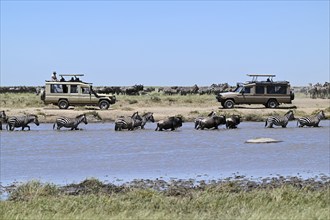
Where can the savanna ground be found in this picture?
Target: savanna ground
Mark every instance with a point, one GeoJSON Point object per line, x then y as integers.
{"type": "Point", "coordinates": [190, 107]}
{"type": "Point", "coordinates": [286, 199]}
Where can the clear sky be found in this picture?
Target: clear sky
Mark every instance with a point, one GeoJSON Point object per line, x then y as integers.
{"type": "Point", "coordinates": [164, 43]}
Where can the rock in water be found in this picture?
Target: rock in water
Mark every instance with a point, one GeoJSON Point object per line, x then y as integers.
{"type": "Point", "coordinates": [262, 141]}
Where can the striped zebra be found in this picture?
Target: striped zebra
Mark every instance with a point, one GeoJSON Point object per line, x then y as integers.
{"type": "Point", "coordinates": [3, 118]}
{"type": "Point", "coordinates": [70, 122]}
{"type": "Point", "coordinates": [21, 121]}
{"type": "Point", "coordinates": [311, 121]}
{"type": "Point", "coordinates": [280, 120]}
{"type": "Point", "coordinates": [199, 119]}
{"type": "Point", "coordinates": [128, 123]}
{"type": "Point", "coordinates": [149, 116]}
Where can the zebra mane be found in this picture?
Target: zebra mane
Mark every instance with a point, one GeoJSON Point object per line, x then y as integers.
{"type": "Point", "coordinates": [32, 115]}
{"type": "Point", "coordinates": [81, 115]}
{"type": "Point", "coordinates": [148, 113]}
{"type": "Point", "coordinates": [290, 111]}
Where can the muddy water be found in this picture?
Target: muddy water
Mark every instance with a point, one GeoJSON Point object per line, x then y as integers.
{"type": "Point", "coordinates": [98, 151]}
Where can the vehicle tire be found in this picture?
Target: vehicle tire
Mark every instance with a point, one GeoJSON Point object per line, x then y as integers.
{"type": "Point", "coordinates": [272, 103]}
{"type": "Point", "coordinates": [63, 104]}
{"type": "Point", "coordinates": [104, 104]}
{"type": "Point", "coordinates": [229, 104]}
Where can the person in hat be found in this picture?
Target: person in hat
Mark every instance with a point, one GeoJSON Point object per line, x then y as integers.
{"type": "Point", "coordinates": [54, 77]}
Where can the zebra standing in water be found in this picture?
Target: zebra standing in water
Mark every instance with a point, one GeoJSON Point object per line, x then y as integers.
{"type": "Point", "coordinates": [70, 122]}
{"type": "Point", "coordinates": [128, 123]}
{"type": "Point", "coordinates": [145, 118]}
{"type": "Point", "coordinates": [3, 118]}
{"type": "Point", "coordinates": [311, 121]}
{"type": "Point", "coordinates": [21, 121]}
{"type": "Point", "coordinates": [280, 120]}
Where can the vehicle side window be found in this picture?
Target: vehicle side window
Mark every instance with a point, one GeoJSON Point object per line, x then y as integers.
{"type": "Point", "coordinates": [74, 89]}
{"type": "Point", "coordinates": [247, 90]}
{"type": "Point", "coordinates": [85, 90]}
{"type": "Point", "coordinates": [260, 89]}
{"type": "Point", "coordinates": [276, 89]}
{"type": "Point", "coordinates": [56, 88]}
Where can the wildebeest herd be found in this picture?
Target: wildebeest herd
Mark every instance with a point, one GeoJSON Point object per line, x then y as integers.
{"type": "Point", "coordinates": [211, 121]}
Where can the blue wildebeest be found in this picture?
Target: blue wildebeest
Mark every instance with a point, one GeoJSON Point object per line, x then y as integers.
{"type": "Point", "coordinates": [70, 122]}
{"type": "Point", "coordinates": [169, 123]}
{"type": "Point", "coordinates": [21, 121]}
{"type": "Point", "coordinates": [311, 120]}
{"type": "Point", "coordinates": [280, 120]}
{"type": "Point", "coordinates": [198, 119]}
{"type": "Point", "coordinates": [233, 121]}
{"type": "Point", "coordinates": [128, 123]}
{"type": "Point", "coordinates": [212, 122]}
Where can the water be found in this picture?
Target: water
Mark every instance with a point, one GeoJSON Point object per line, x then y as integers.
{"type": "Point", "coordinates": [98, 151]}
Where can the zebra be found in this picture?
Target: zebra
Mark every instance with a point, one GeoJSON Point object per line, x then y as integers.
{"type": "Point", "coordinates": [311, 121]}
{"type": "Point", "coordinates": [3, 118]}
{"type": "Point", "coordinates": [199, 119]}
{"type": "Point", "coordinates": [128, 123]}
{"type": "Point", "coordinates": [145, 118]}
{"type": "Point", "coordinates": [21, 121]}
{"type": "Point", "coordinates": [70, 122]}
{"type": "Point", "coordinates": [280, 120]}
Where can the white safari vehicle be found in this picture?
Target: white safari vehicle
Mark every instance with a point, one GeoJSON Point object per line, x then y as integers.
{"type": "Point", "coordinates": [73, 92]}
{"type": "Point", "coordinates": [267, 92]}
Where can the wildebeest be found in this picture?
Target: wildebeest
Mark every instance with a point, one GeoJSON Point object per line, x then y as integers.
{"type": "Point", "coordinates": [212, 122]}
{"type": "Point", "coordinates": [128, 123]}
{"type": "Point", "coordinates": [198, 119]}
{"type": "Point", "coordinates": [233, 121]}
{"type": "Point", "coordinates": [169, 123]}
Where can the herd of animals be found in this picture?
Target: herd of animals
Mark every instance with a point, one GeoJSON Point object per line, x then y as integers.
{"type": "Point", "coordinates": [136, 121]}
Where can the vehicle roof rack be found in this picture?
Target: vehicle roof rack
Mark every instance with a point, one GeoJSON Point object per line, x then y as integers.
{"type": "Point", "coordinates": [255, 76]}
{"type": "Point", "coordinates": [71, 75]}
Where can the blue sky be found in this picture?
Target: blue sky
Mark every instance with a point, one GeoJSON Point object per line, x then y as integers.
{"type": "Point", "coordinates": [164, 42]}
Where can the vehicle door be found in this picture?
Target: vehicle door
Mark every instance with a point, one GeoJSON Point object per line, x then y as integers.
{"type": "Point", "coordinates": [73, 93]}
{"type": "Point", "coordinates": [245, 95]}
{"type": "Point", "coordinates": [86, 95]}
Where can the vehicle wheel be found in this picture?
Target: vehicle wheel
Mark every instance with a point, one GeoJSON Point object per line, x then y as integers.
{"type": "Point", "coordinates": [272, 103]}
{"type": "Point", "coordinates": [63, 104]}
{"type": "Point", "coordinates": [104, 104]}
{"type": "Point", "coordinates": [229, 104]}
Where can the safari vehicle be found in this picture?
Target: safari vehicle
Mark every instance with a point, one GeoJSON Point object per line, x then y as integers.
{"type": "Point", "coordinates": [74, 92]}
{"type": "Point", "coordinates": [268, 92]}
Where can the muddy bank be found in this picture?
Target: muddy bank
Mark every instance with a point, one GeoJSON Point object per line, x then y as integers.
{"type": "Point", "coordinates": [174, 187]}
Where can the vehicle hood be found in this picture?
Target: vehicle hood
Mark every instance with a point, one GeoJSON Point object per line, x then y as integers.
{"type": "Point", "coordinates": [228, 93]}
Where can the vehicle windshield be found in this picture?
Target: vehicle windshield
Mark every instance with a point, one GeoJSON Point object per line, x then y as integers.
{"type": "Point", "coordinates": [238, 89]}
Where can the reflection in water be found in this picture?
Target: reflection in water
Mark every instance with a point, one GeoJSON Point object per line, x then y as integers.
{"type": "Point", "coordinates": [98, 151]}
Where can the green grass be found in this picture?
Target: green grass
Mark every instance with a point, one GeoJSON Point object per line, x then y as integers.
{"type": "Point", "coordinates": [225, 201]}
{"type": "Point", "coordinates": [20, 100]}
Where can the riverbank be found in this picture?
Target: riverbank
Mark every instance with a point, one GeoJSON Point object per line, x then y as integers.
{"type": "Point", "coordinates": [236, 198]}
{"type": "Point", "coordinates": [190, 107]}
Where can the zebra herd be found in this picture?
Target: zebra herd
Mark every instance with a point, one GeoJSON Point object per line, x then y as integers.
{"type": "Point", "coordinates": [136, 121]}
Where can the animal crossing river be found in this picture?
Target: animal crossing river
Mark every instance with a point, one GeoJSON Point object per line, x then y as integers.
{"type": "Point", "coordinates": [98, 151]}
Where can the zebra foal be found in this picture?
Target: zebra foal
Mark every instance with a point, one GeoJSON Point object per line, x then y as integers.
{"type": "Point", "coordinates": [129, 123]}
{"type": "Point", "coordinates": [70, 122]}
{"type": "Point", "coordinates": [311, 121]}
{"type": "Point", "coordinates": [280, 120]}
{"type": "Point", "coordinates": [21, 121]}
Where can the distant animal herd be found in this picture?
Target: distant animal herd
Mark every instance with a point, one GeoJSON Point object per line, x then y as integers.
{"type": "Point", "coordinates": [136, 121]}
{"type": "Point", "coordinates": [313, 91]}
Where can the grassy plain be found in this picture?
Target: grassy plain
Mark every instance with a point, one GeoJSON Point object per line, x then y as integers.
{"type": "Point", "coordinates": [190, 107]}
{"type": "Point", "coordinates": [228, 200]}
